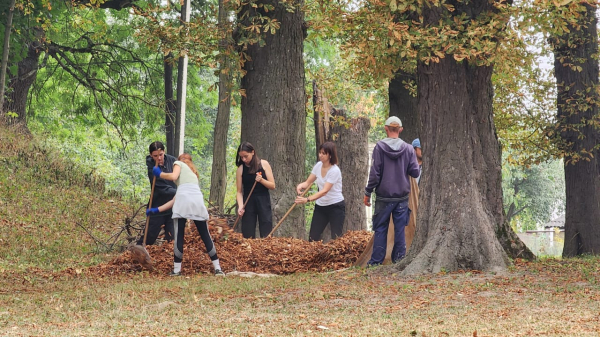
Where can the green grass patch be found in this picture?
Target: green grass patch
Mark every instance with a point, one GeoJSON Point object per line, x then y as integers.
{"type": "Point", "coordinates": [45, 200]}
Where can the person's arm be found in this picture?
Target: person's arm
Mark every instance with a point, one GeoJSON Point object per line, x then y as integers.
{"type": "Point", "coordinates": [374, 175]}
{"type": "Point", "coordinates": [313, 197]}
{"type": "Point", "coordinates": [161, 208]}
{"type": "Point", "coordinates": [413, 169]}
{"type": "Point", "coordinates": [306, 184]}
{"type": "Point", "coordinates": [375, 172]}
{"type": "Point", "coordinates": [166, 206]}
{"type": "Point", "coordinates": [270, 181]}
{"type": "Point", "coordinates": [239, 196]}
{"type": "Point", "coordinates": [172, 176]}
{"type": "Point", "coordinates": [161, 187]}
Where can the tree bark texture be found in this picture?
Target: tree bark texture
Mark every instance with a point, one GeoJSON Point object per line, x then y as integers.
{"type": "Point", "coordinates": [351, 140]}
{"type": "Point", "coordinates": [19, 84]}
{"type": "Point", "coordinates": [321, 112]}
{"type": "Point", "coordinates": [461, 201]}
{"type": "Point", "coordinates": [577, 104]}
{"type": "Point", "coordinates": [170, 104]}
{"type": "Point", "coordinates": [273, 111]}
{"type": "Point", "coordinates": [404, 106]}
{"type": "Point", "coordinates": [5, 49]}
{"type": "Point", "coordinates": [218, 179]}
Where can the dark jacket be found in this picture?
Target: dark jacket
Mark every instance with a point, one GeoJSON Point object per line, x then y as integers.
{"type": "Point", "coordinates": [393, 162]}
{"type": "Point", "coordinates": [164, 190]}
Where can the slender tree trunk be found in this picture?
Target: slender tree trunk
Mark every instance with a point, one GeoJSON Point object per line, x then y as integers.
{"type": "Point", "coordinates": [218, 180]}
{"type": "Point", "coordinates": [19, 84]}
{"type": "Point", "coordinates": [577, 104]}
{"type": "Point", "coordinates": [273, 111]}
{"type": "Point", "coordinates": [321, 112]}
{"type": "Point", "coordinates": [7, 30]}
{"type": "Point", "coordinates": [171, 105]}
{"type": "Point", "coordinates": [403, 104]}
{"type": "Point", "coordinates": [351, 141]}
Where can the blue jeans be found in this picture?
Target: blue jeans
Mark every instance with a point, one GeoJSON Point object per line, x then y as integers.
{"type": "Point", "coordinates": [381, 222]}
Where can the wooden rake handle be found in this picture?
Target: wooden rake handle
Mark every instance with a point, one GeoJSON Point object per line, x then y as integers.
{"type": "Point", "coordinates": [286, 214]}
{"type": "Point", "coordinates": [246, 202]}
{"type": "Point", "coordinates": [149, 206]}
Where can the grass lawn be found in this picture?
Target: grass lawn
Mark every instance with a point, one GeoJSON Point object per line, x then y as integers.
{"type": "Point", "coordinates": [547, 298]}
{"type": "Point", "coordinates": [49, 209]}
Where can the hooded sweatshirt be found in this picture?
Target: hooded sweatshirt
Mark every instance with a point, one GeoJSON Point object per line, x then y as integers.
{"type": "Point", "coordinates": [393, 162]}
{"type": "Point", "coordinates": [164, 190]}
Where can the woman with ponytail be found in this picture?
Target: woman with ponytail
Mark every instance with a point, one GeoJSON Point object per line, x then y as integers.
{"type": "Point", "coordinates": [187, 204]}
{"type": "Point", "coordinates": [254, 172]}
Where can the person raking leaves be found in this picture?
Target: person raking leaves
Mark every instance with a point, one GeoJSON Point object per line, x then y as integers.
{"type": "Point", "coordinates": [187, 204]}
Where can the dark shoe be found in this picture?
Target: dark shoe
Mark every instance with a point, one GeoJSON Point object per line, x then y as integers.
{"type": "Point", "coordinates": [219, 272]}
{"type": "Point", "coordinates": [175, 274]}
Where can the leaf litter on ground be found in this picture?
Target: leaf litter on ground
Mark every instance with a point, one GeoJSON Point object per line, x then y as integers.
{"type": "Point", "coordinates": [273, 255]}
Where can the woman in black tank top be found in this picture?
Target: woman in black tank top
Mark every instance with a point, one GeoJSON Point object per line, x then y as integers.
{"type": "Point", "coordinates": [253, 170]}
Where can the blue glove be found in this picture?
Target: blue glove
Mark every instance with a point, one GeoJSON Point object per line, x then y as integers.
{"type": "Point", "coordinates": [156, 171]}
{"type": "Point", "coordinates": [152, 211]}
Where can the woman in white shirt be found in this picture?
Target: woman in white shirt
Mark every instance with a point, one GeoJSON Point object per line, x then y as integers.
{"type": "Point", "coordinates": [330, 207]}
{"type": "Point", "coordinates": [187, 204]}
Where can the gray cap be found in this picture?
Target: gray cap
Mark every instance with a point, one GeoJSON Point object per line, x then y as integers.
{"type": "Point", "coordinates": [393, 121]}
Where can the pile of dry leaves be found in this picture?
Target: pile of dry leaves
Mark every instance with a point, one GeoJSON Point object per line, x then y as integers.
{"type": "Point", "coordinates": [270, 255]}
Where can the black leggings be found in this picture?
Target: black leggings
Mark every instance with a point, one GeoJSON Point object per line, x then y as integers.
{"type": "Point", "coordinates": [204, 234]}
{"type": "Point", "coordinates": [333, 215]}
{"type": "Point", "coordinates": [259, 206]}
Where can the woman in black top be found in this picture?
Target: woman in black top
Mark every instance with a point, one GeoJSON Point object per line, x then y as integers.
{"type": "Point", "coordinates": [253, 169]}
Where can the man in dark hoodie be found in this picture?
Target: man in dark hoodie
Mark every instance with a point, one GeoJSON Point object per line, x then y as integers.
{"type": "Point", "coordinates": [164, 191]}
{"type": "Point", "coordinates": [393, 162]}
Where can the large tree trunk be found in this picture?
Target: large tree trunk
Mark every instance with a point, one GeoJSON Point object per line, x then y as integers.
{"type": "Point", "coordinates": [461, 222]}
{"type": "Point", "coordinates": [404, 106]}
{"type": "Point", "coordinates": [5, 49]}
{"type": "Point", "coordinates": [577, 103]}
{"type": "Point", "coordinates": [218, 179]}
{"type": "Point", "coordinates": [351, 140]}
{"type": "Point", "coordinates": [273, 111]}
{"type": "Point", "coordinates": [170, 106]}
{"type": "Point", "coordinates": [460, 209]}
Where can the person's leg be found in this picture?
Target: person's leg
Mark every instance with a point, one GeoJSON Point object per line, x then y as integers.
{"type": "Point", "coordinates": [381, 222]}
{"type": "Point", "coordinates": [265, 215]}
{"type": "Point", "coordinates": [249, 219]}
{"type": "Point", "coordinates": [202, 228]}
{"type": "Point", "coordinates": [400, 214]}
{"type": "Point", "coordinates": [337, 215]}
{"type": "Point", "coordinates": [154, 224]}
{"type": "Point", "coordinates": [169, 228]}
{"type": "Point", "coordinates": [318, 223]}
{"type": "Point", "coordinates": [178, 234]}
